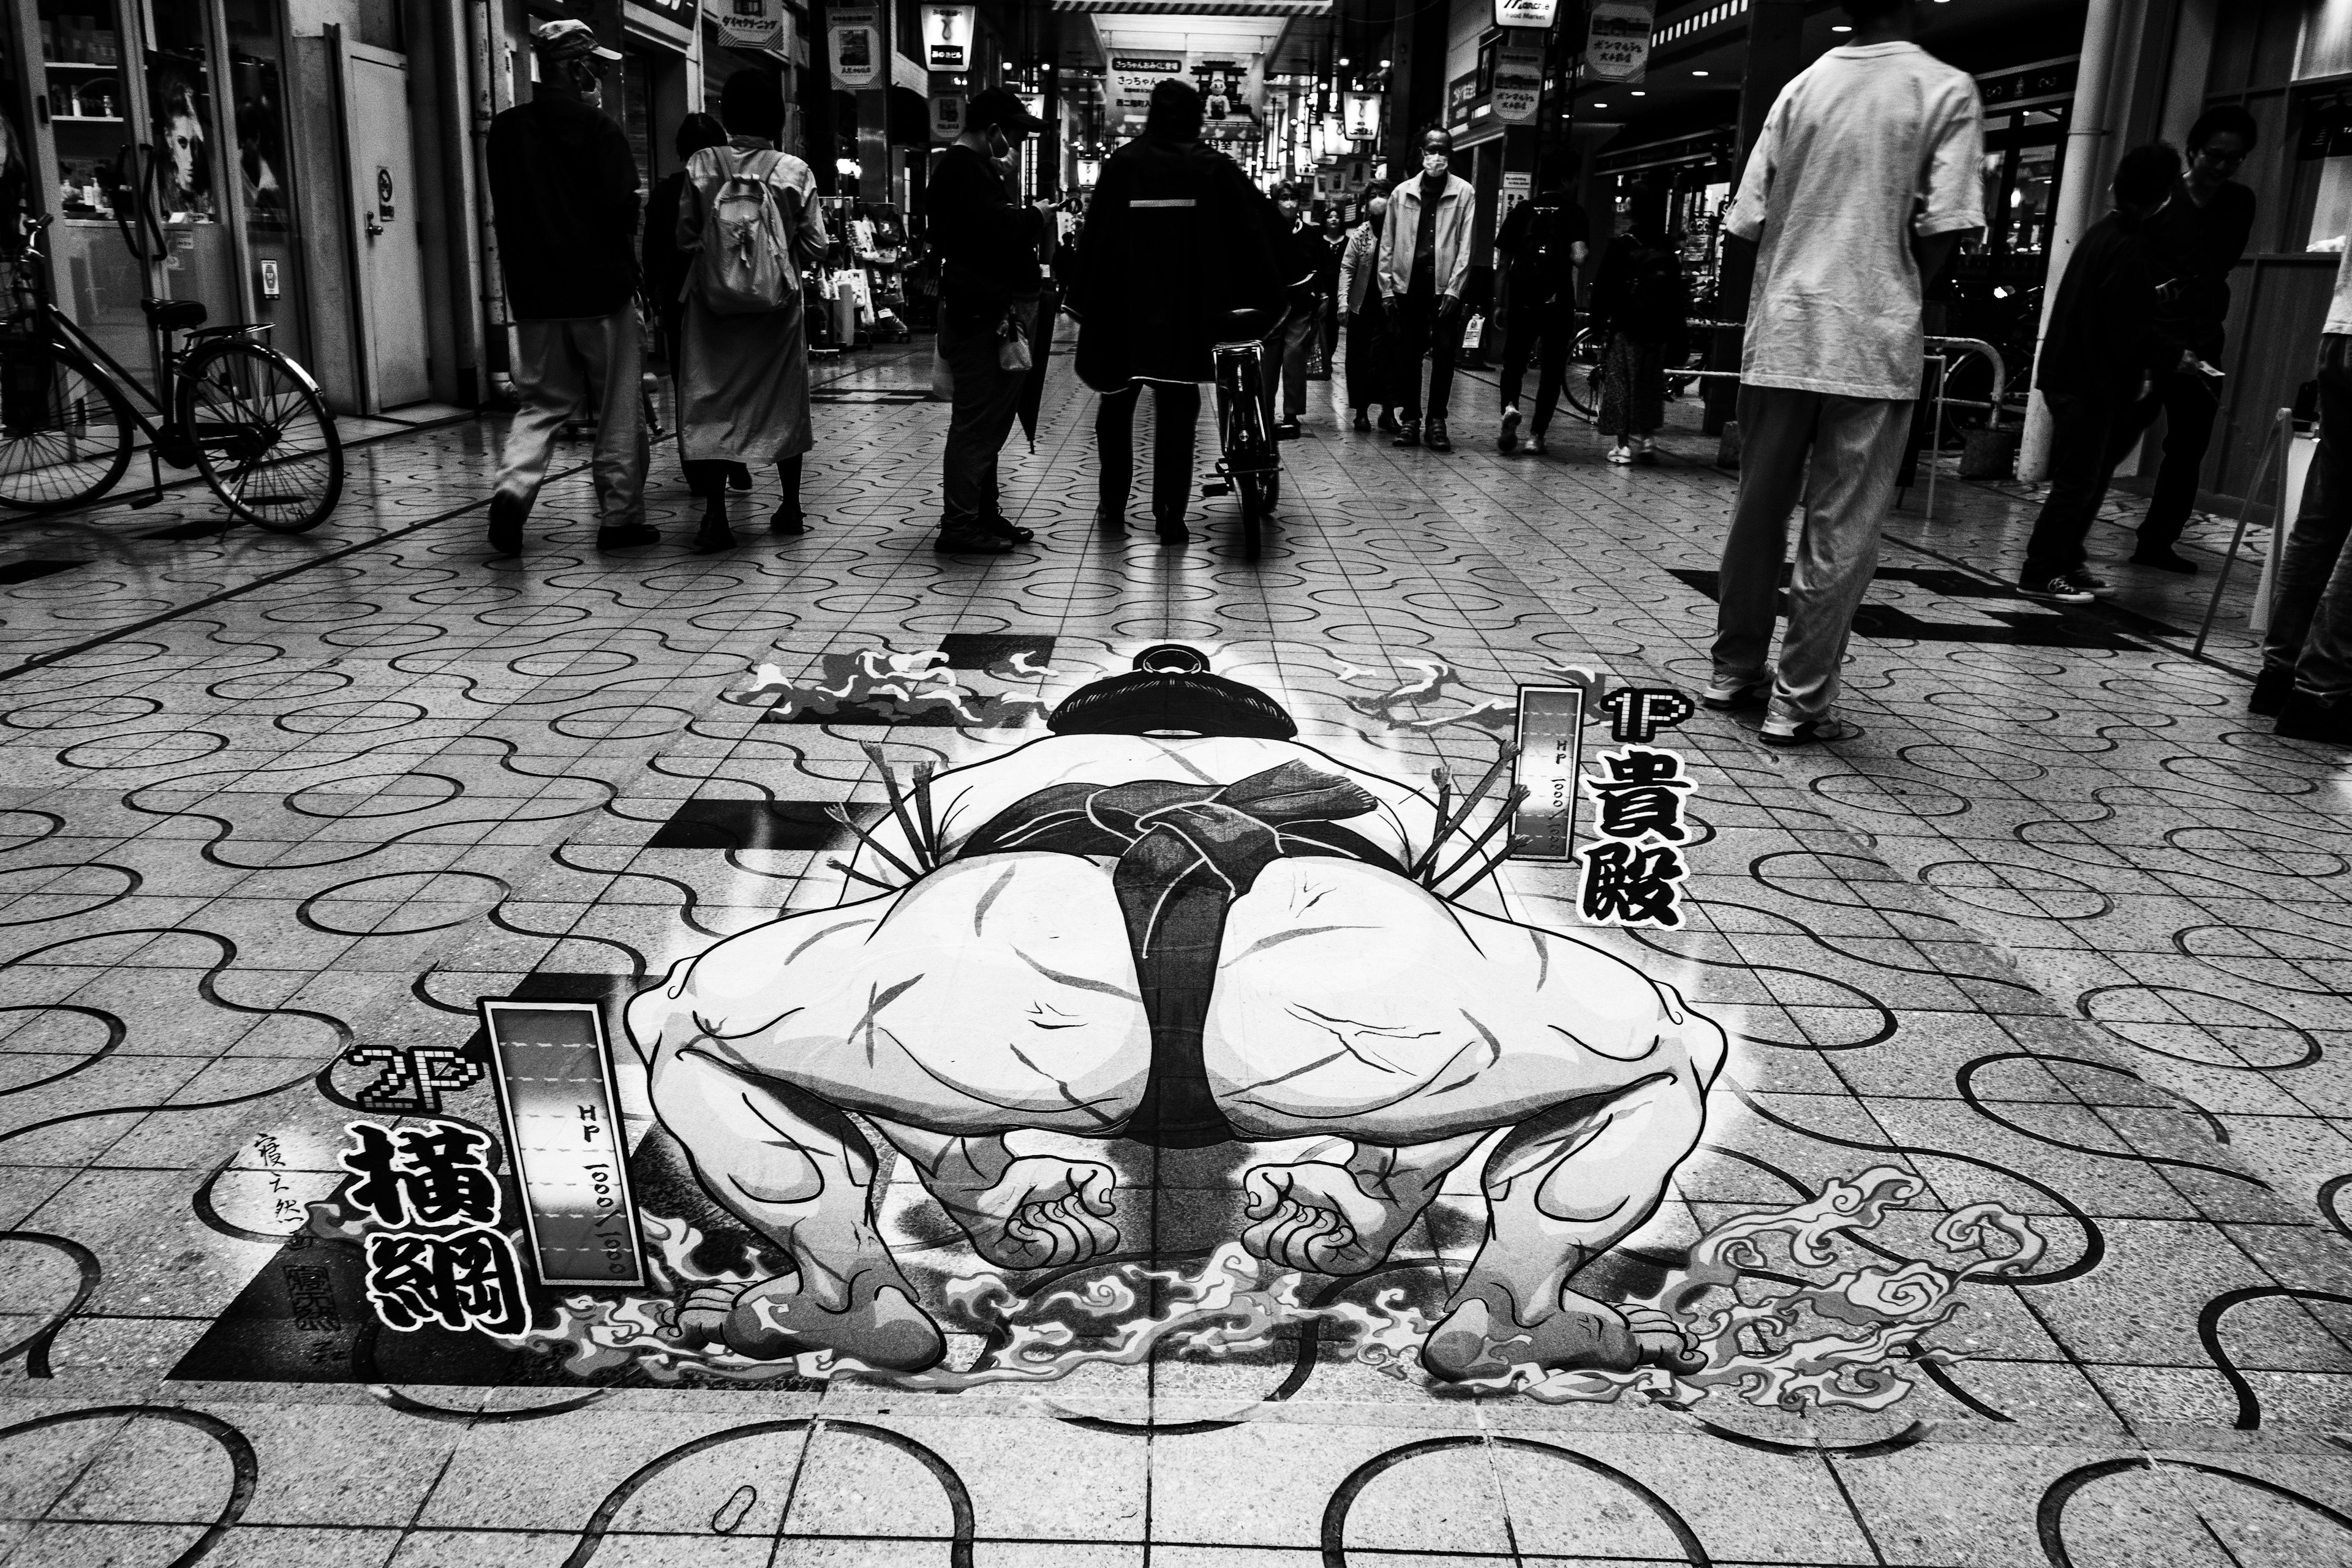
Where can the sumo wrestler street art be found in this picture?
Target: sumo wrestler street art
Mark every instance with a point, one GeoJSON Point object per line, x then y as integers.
{"type": "Point", "coordinates": [1161, 1034]}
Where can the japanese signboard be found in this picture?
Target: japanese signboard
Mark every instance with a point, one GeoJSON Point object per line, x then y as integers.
{"type": "Point", "coordinates": [1519, 81]}
{"type": "Point", "coordinates": [1617, 49]}
{"type": "Point", "coordinates": [857, 46]}
{"type": "Point", "coordinates": [752, 24]}
{"type": "Point", "coordinates": [947, 36]}
{"type": "Point", "coordinates": [1525, 13]}
{"type": "Point", "coordinates": [1132, 78]}
{"type": "Point", "coordinates": [947, 116]}
{"type": "Point", "coordinates": [555, 1085]}
{"type": "Point", "coordinates": [1551, 722]}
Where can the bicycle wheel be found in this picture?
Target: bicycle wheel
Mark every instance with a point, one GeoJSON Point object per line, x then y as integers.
{"type": "Point", "coordinates": [65, 430]}
{"type": "Point", "coordinates": [264, 441]}
{"type": "Point", "coordinates": [1253, 510]}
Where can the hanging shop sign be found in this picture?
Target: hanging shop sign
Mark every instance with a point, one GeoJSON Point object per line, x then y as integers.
{"type": "Point", "coordinates": [1132, 78]}
{"type": "Point", "coordinates": [947, 36]}
{"type": "Point", "coordinates": [857, 47]}
{"type": "Point", "coordinates": [1518, 186]}
{"type": "Point", "coordinates": [947, 116]}
{"type": "Point", "coordinates": [1519, 82]}
{"type": "Point", "coordinates": [750, 24]}
{"type": "Point", "coordinates": [1617, 49]}
{"type": "Point", "coordinates": [1525, 13]}
{"type": "Point", "coordinates": [1362, 112]}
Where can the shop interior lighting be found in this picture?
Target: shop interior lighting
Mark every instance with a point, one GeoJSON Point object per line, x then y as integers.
{"type": "Point", "coordinates": [1840, 29]}
{"type": "Point", "coordinates": [1698, 73]}
{"type": "Point", "coordinates": [1638, 93]}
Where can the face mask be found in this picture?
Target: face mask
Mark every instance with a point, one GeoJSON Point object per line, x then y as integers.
{"type": "Point", "coordinates": [1435, 164]}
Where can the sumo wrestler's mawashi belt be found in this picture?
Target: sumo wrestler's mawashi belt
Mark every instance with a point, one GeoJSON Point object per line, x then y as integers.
{"type": "Point", "coordinates": [1184, 852]}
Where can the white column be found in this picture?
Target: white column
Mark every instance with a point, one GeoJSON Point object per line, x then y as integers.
{"type": "Point", "coordinates": [2080, 200]}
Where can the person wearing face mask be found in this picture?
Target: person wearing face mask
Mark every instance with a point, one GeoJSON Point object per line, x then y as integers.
{"type": "Point", "coordinates": [1424, 265]}
{"type": "Point", "coordinates": [989, 245]}
{"type": "Point", "coordinates": [1285, 350]}
{"type": "Point", "coordinates": [1360, 264]}
{"type": "Point", "coordinates": [564, 192]}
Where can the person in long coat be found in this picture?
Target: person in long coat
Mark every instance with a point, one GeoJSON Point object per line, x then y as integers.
{"type": "Point", "coordinates": [665, 267]}
{"type": "Point", "coordinates": [742, 386]}
{"type": "Point", "coordinates": [1176, 241]}
{"type": "Point", "coordinates": [1358, 298]}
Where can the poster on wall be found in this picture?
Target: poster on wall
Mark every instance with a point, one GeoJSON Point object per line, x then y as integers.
{"type": "Point", "coordinates": [1132, 78]}
{"type": "Point", "coordinates": [1519, 82]}
{"type": "Point", "coordinates": [947, 116]}
{"type": "Point", "coordinates": [857, 46]}
{"type": "Point", "coordinates": [183, 165]}
{"type": "Point", "coordinates": [1618, 47]}
{"type": "Point", "coordinates": [752, 24]}
{"type": "Point", "coordinates": [947, 36]}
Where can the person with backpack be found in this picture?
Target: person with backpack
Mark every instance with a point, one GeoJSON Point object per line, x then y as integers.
{"type": "Point", "coordinates": [989, 245]}
{"type": "Point", "coordinates": [1641, 304]}
{"type": "Point", "coordinates": [666, 268]}
{"type": "Point", "coordinates": [1368, 350]}
{"type": "Point", "coordinates": [1543, 243]}
{"type": "Point", "coordinates": [563, 194]}
{"type": "Point", "coordinates": [749, 214]}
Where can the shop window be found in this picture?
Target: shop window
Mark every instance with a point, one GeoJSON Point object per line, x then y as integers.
{"type": "Point", "coordinates": [2323, 160]}
{"type": "Point", "coordinates": [16, 146]}
{"type": "Point", "coordinates": [180, 100]}
{"type": "Point", "coordinates": [82, 64]}
{"type": "Point", "coordinates": [265, 174]}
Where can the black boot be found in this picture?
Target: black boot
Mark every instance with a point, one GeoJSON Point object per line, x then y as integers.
{"type": "Point", "coordinates": [714, 534]}
{"type": "Point", "coordinates": [2304, 717]}
{"type": "Point", "coordinates": [2272, 688]}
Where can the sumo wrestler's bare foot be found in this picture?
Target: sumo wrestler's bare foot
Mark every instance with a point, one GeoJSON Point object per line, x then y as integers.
{"type": "Point", "coordinates": [1484, 1337]}
{"type": "Point", "coordinates": [879, 1326]}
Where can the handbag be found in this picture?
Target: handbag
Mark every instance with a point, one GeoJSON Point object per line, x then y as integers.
{"type": "Point", "coordinates": [1013, 352]}
{"type": "Point", "coordinates": [1318, 364]}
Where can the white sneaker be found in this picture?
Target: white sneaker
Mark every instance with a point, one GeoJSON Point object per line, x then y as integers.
{"type": "Point", "coordinates": [1621, 455]}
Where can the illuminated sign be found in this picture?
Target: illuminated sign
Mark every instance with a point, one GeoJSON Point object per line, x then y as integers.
{"type": "Point", "coordinates": [1618, 47]}
{"type": "Point", "coordinates": [947, 36]}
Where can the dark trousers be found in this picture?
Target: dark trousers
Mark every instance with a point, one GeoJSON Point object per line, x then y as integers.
{"type": "Point", "coordinates": [1284, 365]}
{"type": "Point", "coordinates": [1368, 356]}
{"type": "Point", "coordinates": [987, 396]}
{"type": "Point", "coordinates": [1554, 322]}
{"type": "Point", "coordinates": [2188, 400]}
{"type": "Point", "coordinates": [1175, 412]}
{"type": "Point", "coordinates": [2310, 616]}
{"type": "Point", "coordinates": [2083, 457]}
{"type": "Point", "coordinates": [1415, 329]}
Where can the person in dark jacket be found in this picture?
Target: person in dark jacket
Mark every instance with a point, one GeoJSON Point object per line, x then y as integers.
{"type": "Point", "coordinates": [665, 267]}
{"type": "Point", "coordinates": [563, 190]}
{"type": "Point", "coordinates": [2199, 236]}
{"type": "Point", "coordinates": [988, 244]}
{"type": "Point", "coordinates": [1358, 294]}
{"type": "Point", "coordinates": [1542, 243]}
{"type": "Point", "coordinates": [1641, 305]}
{"type": "Point", "coordinates": [2108, 337]}
{"type": "Point", "coordinates": [1303, 255]}
{"type": "Point", "coordinates": [1177, 239]}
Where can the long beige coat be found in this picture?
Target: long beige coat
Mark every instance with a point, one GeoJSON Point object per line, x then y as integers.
{"type": "Point", "coordinates": [742, 383]}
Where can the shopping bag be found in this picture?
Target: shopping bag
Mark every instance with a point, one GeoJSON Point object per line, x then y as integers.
{"type": "Point", "coordinates": [1319, 362]}
{"type": "Point", "coordinates": [942, 378]}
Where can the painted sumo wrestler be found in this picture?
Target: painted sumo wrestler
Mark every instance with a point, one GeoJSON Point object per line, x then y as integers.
{"type": "Point", "coordinates": [1170, 923]}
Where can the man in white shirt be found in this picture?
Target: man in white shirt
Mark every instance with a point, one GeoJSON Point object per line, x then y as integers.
{"type": "Point", "coordinates": [2306, 676]}
{"type": "Point", "coordinates": [1867, 173]}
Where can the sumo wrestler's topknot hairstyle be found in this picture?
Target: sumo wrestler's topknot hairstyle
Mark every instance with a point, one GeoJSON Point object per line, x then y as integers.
{"type": "Point", "coordinates": [1171, 687]}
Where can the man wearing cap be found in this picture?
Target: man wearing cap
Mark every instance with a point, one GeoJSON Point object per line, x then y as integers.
{"type": "Point", "coordinates": [564, 187]}
{"type": "Point", "coordinates": [987, 242]}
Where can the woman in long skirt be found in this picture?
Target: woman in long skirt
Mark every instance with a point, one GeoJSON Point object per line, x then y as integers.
{"type": "Point", "coordinates": [742, 386]}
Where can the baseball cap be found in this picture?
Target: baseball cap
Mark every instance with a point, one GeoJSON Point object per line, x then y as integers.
{"type": "Point", "coordinates": [568, 40]}
{"type": "Point", "coordinates": [1003, 107]}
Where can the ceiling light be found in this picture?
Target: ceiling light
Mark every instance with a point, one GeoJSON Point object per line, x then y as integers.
{"type": "Point", "coordinates": [1598, 104]}
{"type": "Point", "coordinates": [1840, 29]}
{"type": "Point", "coordinates": [1385, 65]}
{"type": "Point", "coordinates": [1638, 93]}
{"type": "Point", "coordinates": [1698, 73]}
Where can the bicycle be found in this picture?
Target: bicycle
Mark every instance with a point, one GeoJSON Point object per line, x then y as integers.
{"type": "Point", "coordinates": [240, 412]}
{"type": "Point", "coordinates": [1249, 459]}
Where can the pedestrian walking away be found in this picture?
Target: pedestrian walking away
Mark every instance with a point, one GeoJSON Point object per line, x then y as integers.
{"type": "Point", "coordinates": [564, 191]}
{"type": "Point", "coordinates": [749, 214]}
{"type": "Point", "coordinates": [1640, 303]}
{"type": "Point", "coordinates": [989, 245]}
{"type": "Point", "coordinates": [2106, 342]}
{"type": "Point", "coordinates": [1424, 267]}
{"type": "Point", "coordinates": [1177, 240]}
{"type": "Point", "coordinates": [1867, 173]}
{"type": "Point", "coordinates": [663, 268]}
{"type": "Point", "coordinates": [1544, 244]}
{"type": "Point", "coordinates": [1359, 294]}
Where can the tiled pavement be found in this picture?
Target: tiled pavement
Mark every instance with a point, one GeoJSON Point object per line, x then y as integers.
{"type": "Point", "coordinates": [2063, 931]}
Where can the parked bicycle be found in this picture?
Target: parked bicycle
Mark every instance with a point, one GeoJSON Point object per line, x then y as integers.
{"type": "Point", "coordinates": [1249, 459]}
{"type": "Point", "coordinates": [240, 412]}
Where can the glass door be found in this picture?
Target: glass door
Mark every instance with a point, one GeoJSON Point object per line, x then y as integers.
{"type": "Point", "coordinates": [186, 186]}
{"type": "Point", "coordinates": [92, 120]}
{"type": "Point", "coordinates": [263, 177]}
